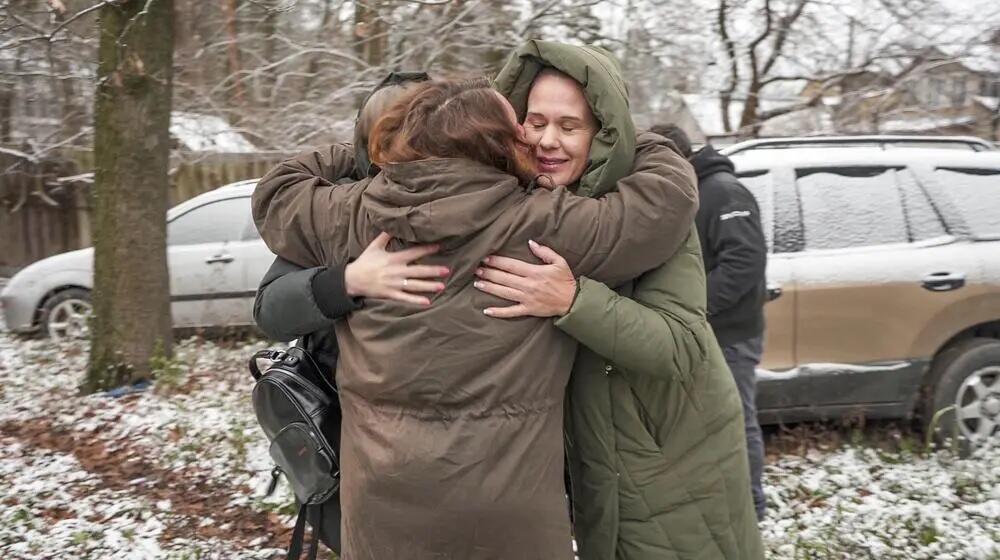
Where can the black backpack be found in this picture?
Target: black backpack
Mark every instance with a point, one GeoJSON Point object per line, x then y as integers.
{"type": "Point", "coordinates": [298, 409]}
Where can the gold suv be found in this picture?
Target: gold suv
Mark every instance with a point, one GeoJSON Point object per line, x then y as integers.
{"type": "Point", "coordinates": [884, 283]}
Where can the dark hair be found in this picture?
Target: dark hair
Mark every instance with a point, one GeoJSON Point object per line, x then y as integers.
{"type": "Point", "coordinates": [387, 92]}
{"type": "Point", "coordinates": [451, 119]}
{"type": "Point", "coordinates": [673, 132]}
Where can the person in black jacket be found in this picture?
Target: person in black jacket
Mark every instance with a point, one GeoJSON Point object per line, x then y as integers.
{"type": "Point", "coordinates": [735, 255]}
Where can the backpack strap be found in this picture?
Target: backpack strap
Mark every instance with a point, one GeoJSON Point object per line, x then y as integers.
{"type": "Point", "coordinates": [298, 535]}
{"type": "Point", "coordinates": [314, 514]}
{"type": "Point", "coordinates": [263, 354]}
{"type": "Point", "coordinates": [315, 519]}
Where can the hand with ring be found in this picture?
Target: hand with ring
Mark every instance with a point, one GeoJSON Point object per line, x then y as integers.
{"type": "Point", "coordinates": [382, 274]}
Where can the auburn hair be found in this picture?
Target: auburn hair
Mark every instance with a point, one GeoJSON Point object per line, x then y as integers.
{"type": "Point", "coordinates": [451, 119]}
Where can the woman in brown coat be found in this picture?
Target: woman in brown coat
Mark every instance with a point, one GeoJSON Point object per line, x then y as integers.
{"type": "Point", "coordinates": [452, 433]}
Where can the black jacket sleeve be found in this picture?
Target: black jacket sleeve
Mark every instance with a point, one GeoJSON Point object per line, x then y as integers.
{"type": "Point", "coordinates": [293, 301]}
{"type": "Point", "coordinates": [736, 238]}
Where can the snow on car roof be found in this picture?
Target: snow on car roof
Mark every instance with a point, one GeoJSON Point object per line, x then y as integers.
{"type": "Point", "coordinates": [861, 156]}
{"type": "Point", "coordinates": [239, 188]}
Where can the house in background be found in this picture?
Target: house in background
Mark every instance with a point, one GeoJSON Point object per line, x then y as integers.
{"type": "Point", "coordinates": [937, 93]}
{"type": "Point", "coordinates": [700, 116]}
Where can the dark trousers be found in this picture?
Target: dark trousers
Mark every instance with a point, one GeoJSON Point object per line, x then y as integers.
{"type": "Point", "coordinates": [743, 358]}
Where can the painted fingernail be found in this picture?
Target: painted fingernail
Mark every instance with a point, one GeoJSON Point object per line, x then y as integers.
{"type": "Point", "coordinates": [477, 285]}
{"type": "Point", "coordinates": [488, 312]}
{"type": "Point", "coordinates": [532, 243]}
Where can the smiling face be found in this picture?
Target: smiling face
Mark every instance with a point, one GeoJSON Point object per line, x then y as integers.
{"type": "Point", "coordinates": [561, 126]}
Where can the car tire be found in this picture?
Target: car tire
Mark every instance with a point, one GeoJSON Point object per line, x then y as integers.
{"type": "Point", "coordinates": [70, 308]}
{"type": "Point", "coordinates": [966, 378]}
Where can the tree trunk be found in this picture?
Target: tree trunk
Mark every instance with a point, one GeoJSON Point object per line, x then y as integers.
{"type": "Point", "coordinates": [233, 52]}
{"type": "Point", "coordinates": [73, 113]}
{"type": "Point", "coordinates": [502, 24]}
{"type": "Point", "coordinates": [995, 121]}
{"type": "Point", "coordinates": [370, 31]}
{"type": "Point", "coordinates": [131, 325]}
{"type": "Point", "coordinates": [748, 119]}
{"type": "Point", "coordinates": [6, 115]}
{"type": "Point", "coordinates": [371, 39]}
{"type": "Point", "coordinates": [448, 13]}
{"type": "Point", "coordinates": [312, 68]}
{"type": "Point", "coordinates": [269, 79]}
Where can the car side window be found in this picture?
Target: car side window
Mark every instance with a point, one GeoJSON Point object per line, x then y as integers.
{"type": "Point", "coordinates": [774, 190]}
{"type": "Point", "coordinates": [250, 232]}
{"type": "Point", "coordinates": [216, 222]}
{"type": "Point", "coordinates": [923, 218]}
{"type": "Point", "coordinates": [851, 207]}
{"type": "Point", "coordinates": [975, 193]}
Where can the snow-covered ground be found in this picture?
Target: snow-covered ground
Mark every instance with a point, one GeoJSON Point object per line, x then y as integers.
{"type": "Point", "coordinates": [179, 472]}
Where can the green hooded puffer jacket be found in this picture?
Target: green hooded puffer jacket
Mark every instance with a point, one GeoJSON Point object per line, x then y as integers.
{"type": "Point", "coordinates": [654, 426]}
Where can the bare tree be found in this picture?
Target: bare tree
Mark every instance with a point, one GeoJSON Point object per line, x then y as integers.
{"type": "Point", "coordinates": [856, 51]}
{"type": "Point", "coordinates": [233, 52]}
{"type": "Point", "coordinates": [777, 26]}
{"type": "Point", "coordinates": [131, 299]}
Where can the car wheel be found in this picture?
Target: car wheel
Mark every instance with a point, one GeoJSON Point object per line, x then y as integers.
{"type": "Point", "coordinates": [967, 388]}
{"type": "Point", "coordinates": [66, 315]}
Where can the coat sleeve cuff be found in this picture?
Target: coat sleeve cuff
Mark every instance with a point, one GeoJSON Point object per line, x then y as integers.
{"type": "Point", "coordinates": [590, 308]}
{"type": "Point", "coordinates": [330, 293]}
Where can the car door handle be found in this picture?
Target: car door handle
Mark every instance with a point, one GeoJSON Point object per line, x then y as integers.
{"type": "Point", "coordinates": [943, 281]}
{"type": "Point", "coordinates": [774, 292]}
{"type": "Point", "coordinates": [220, 258]}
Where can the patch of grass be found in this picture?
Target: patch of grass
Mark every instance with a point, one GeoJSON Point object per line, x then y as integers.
{"type": "Point", "coordinates": [240, 438]}
{"type": "Point", "coordinates": [83, 537]}
{"type": "Point", "coordinates": [21, 515]}
{"type": "Point", "coordinates": [966, 487]}
{"type": "Point", "coordinates": [927, 535]}
{"type": "Point", "coordinates": [170, 373]}
{"type": "Point", "coordinates": [891, 437]}
{"type": "Point", "coordinates": [288, 508]}
{"type": "Point", "coordinates": [811, 550]}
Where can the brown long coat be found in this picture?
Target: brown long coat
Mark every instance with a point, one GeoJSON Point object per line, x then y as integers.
{"type": "Point", "coordinates": [452, 440]}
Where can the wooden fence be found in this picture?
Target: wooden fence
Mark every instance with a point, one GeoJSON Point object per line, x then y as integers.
{"type": "Point", "coordinates": [45, 205]}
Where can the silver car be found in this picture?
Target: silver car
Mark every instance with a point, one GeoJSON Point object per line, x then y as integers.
{"type": "Point", "coordinates": [215, 257]}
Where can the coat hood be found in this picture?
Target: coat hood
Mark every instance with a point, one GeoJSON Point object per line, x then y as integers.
{"type": "Point", "coordinates": [600, 74]}
{"type": "Point", "coordinates": [438, 200]}
{"type": "Point", "coordinates": [707, 161]}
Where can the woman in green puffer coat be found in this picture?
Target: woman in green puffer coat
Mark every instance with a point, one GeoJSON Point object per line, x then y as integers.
{"type": "Point", "coordinates": [654, 426]}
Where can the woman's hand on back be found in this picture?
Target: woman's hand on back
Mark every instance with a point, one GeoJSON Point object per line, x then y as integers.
{"type": "Point", "coordinates": [538, 290]}
{"type": "Point", "coordinates": [381, 274]}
